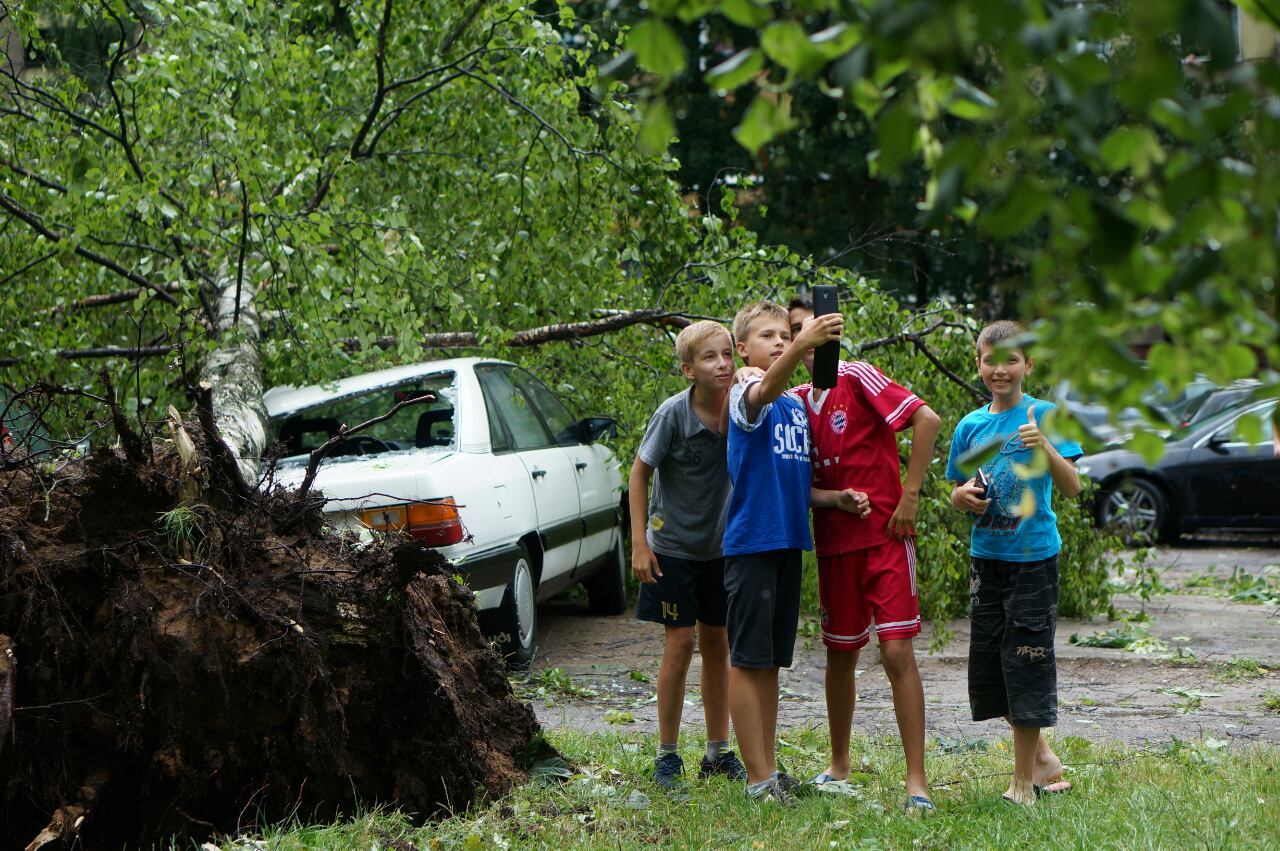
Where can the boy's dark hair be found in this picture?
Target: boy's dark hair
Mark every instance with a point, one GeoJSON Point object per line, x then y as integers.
{"type": "Point", "coordinates": [804, 301]}
{"type": "Point", "coordinates": [998, 332]}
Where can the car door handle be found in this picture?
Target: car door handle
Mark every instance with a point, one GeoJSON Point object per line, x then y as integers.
{"type": "Point", "coordinates": [537, 474]}
{"type": "Point", "coordinates": [581, 465]}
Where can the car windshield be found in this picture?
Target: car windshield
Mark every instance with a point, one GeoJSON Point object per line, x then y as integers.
{"type": "Point", "coordinates": [417, 426]}
{"type": "Point", "coordinates": [1224, 417]}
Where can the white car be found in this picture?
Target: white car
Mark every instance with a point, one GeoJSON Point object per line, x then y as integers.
{"type": "Point", "coordinates": [496, 472]}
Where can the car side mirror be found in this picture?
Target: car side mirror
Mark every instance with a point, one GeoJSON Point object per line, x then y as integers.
{"type": "Point", "coordinates": [1221, 438]}
{"type": "Point", "coordinates": [594, 428]}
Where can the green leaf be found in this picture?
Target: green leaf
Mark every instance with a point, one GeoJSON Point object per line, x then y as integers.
{"type": "Point", "coordinates": [787, 44]}
{"type": "Point", "coordinates": [836, 41]}
{"type": "Point", "coordinates": [1020, 207]}
{"type": "Point", "coordinates": [1150, 446]}
{"type": "Point", "coordinates": [1237, 361]}
{"type": "Point", "coordinates": [981, 454]}
{"type": "Point", "coordinates": [970, 102]}
{"type": "Point", "coordinates": [745, 13]}
{"type": "Point", "coordinates": [764, 120]}
{"type": "Point", "coordinates": [1135, 148]}
{"type": "Point", "coordinates": [657, 47]}
{"type": "Point", "coordinates": [657, 126]}
{"type": "Point", "coordinates": [898, 136]}
{"type": "Point", "coordinates": [736, 70]}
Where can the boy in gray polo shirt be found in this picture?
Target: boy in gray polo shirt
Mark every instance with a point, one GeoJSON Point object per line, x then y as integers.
{"type": "Point", "coordinates": [676, 538]}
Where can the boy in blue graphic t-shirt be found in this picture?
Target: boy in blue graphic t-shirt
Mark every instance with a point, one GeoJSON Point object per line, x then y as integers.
{"type": "Point", "coordinates": [1013, 572]}
{"type": "Point", "coordinates": [767, 528]}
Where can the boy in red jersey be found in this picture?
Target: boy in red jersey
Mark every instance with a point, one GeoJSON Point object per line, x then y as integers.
{"type": "Point", "coordinates": [863, 519]}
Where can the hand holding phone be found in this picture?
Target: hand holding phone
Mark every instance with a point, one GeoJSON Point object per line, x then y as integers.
{"type": "Point", "coordinates": [826, 358]}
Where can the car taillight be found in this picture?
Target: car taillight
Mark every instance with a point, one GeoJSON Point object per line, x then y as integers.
{"type": "Point", "coordinates": [435, 523]}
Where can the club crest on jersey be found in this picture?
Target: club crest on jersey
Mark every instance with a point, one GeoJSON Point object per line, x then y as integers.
{"type": "Point", "coordinates": [839, 420]}
{"type": "Point", "coordinates": [799, 418]}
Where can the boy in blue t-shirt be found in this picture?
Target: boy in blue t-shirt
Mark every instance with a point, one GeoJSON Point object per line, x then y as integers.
{"type": "Point", "coordinates": [767, 528]}
{"type": "Point", "coordinates": [1013, 572]}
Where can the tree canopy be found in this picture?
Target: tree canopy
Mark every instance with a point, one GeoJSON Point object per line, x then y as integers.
{"type": "Point", "coordinates": [1130, 132]}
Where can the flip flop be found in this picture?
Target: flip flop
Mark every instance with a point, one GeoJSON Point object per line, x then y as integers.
{"type": "Point", "coordinates": [1054, 787]}
{"type": "Point", "coordinates": [828, 785]}
{"type": "Point", "coordinates": [918, 805]}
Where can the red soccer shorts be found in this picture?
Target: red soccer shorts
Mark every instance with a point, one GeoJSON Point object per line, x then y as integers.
{"type": "Point", "coordinates": [876, 584]}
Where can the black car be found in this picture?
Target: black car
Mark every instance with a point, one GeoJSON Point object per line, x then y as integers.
{"type": "Point", "coordinates": [1212, 475]}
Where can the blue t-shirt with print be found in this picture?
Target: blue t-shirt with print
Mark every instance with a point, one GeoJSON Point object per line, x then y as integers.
{"type": "Point", "coordinates": [770, 468]}
{"type": "Point", "coordinates": [1003, 532]}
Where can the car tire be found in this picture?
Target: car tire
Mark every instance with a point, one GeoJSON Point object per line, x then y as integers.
{"type": "Point", "coordinates": [1136, 510]}
{"type": "Point", "coordinates": [607, 587]}
{"type": "Point", "coordinates": [517, 617]}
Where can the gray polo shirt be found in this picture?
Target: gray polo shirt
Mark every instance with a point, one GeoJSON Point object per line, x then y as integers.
{"type": "Point", "coordinates": [690, 494]}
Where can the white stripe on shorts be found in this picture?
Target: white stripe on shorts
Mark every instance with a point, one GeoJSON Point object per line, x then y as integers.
{"type": "Point", "coordinates": [910, 544]}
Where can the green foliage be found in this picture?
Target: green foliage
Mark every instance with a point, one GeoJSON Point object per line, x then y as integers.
{"type": "Point", "coordinates": [490, 201]}
{"type": "Point", "coordinates": [1241, 586]}
{"type": "Point", "coordinates": [182, 530]}
{"type": "Point", "coordinates": [1128, 134]}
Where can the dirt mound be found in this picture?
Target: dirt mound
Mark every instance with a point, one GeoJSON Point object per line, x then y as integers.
{"type": "Point", "coordinates": [185, 670]}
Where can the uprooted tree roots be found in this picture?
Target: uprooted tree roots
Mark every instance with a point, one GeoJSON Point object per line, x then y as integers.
{"type": "Point", "coordinates": [186, 669]}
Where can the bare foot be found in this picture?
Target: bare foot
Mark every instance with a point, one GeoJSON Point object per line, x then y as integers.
{"type": "Point", "coordinates": [1020, 793]}
{"type": "Point", "coordinates": [1048, 768]}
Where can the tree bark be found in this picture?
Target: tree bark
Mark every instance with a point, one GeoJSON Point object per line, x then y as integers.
{"type": "Point", "coordinates": [234, 372]}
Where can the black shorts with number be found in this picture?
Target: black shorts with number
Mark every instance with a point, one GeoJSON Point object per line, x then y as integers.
{"type": "Point", "coordinates": [687, 591]}
{"type": "Point", "coordinates": [764, 607]}
{"type": "Point", "coordinates": [1013, 609]}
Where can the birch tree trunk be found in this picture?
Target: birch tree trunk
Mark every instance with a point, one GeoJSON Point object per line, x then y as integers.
{"type": "Point", "coordinates": [233, 372]}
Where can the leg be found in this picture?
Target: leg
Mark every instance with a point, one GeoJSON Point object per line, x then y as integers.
{"type": "Point", "coordinates": [769, 715]}
{"type": "Point", "coordinates": [713, 645]}
{"type": "Point", "coordinates": [899, 660]}
{"type": "Point", "coordinates": [1030, 670]}
{"type": "Point", "coordinates": [748, 693]}
{"type": "Point", "coordinates": [1022, 787]}
{"type": "Point", "coordinates": [1048, 767]}
{"type": "Point", "coordinates": [842, 695]}
{"type": "Point", "coordinates": [677, 651]}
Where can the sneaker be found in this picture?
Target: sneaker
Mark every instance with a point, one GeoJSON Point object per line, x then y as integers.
{"type": "Point", "coordinates": [726, 763]}
{"type": "Point", "coordinates": [793, 787]}
{"type": "Point", "coordinates": [668, 769]}
{"type": "Point", "coordinates": [770, 792]}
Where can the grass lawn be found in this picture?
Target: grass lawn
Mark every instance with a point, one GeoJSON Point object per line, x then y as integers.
{"type": "Point", "coordinates": [1188, 794]}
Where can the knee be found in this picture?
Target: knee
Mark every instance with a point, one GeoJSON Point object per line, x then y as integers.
{"type": "Point", "coordinates": [842, 661]}
{"type": "Point", "coordinates": [713, 642]}
{"type": "Point", "coordinates": [898, 658]}
{"type": "Point", "coordinates": [679, 646]}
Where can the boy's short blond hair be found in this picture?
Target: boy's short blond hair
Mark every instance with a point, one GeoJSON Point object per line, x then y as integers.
{"type": "Point", "coordinates": [750, 314]}
{"type": "Point", "coordinates": [999, 332]}
{"type": "Point", "coordinates": [692, 336]}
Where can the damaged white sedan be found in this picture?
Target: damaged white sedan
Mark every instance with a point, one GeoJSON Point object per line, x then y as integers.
{"type": "Point", "coordinates": [513, 489]}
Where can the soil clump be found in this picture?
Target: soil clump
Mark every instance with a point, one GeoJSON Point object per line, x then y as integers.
{"type": "Point", "coordinates": [186, 661]}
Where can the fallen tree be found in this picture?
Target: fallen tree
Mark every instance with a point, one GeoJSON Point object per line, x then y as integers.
{"type": "Point", "coordinates": [195, 660]}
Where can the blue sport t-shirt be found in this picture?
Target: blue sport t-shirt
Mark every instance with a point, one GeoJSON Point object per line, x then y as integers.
{"type": "Point", "coordinates": [1019, 524]}
{"type": "Point", "coordinates": [770, 468]}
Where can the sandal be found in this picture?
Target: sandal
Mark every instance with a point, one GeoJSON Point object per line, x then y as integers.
{"type": "Point", "coordinates": [918, 805]}
{"type": "Point", "coordinates": [828, 785]}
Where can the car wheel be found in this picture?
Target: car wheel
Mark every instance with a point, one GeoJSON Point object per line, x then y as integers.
{"type": "Point", "coordinates": [1136, 510]}
{"type": "Point", "coordinates": [518, 615]}
{"type": "Point", "coordinates": [607, 587]}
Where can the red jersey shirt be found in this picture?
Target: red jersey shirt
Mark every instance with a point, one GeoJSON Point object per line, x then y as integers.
{"type": "Point", "coordinates": [854, 427]}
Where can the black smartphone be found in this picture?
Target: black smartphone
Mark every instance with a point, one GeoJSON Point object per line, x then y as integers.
{"type": "Point", "coordinates": [826, 358]}
{"type": "Point", "coordinates": [983, 481]}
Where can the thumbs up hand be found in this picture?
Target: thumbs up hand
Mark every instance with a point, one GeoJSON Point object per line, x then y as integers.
{"type": "Point", "coordinates": [1030, 434]}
